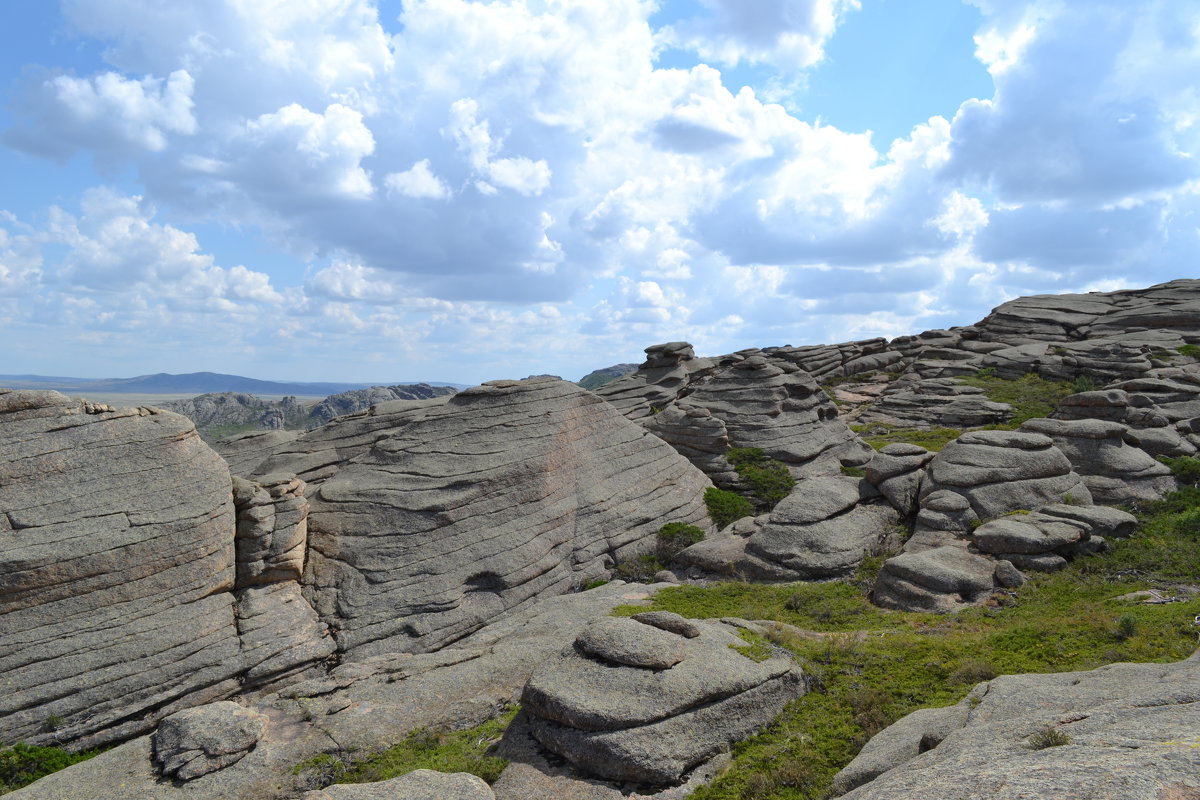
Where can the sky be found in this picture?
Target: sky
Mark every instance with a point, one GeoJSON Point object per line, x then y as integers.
{"type": "Point", "coordinates": [349, 190]}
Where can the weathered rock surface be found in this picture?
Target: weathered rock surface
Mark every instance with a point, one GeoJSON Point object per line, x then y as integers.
{"type": "Point", "coordinates": [1132, 731]}
{"type": "Point", "coordinates": [823, 529]}
{"type": "Point", "coordinates": [421, 784]}
{"type": "Point", "coordinates": [754, 398]}
{"type": "Point", "coordinates": [464, 511]}
{"type": "Point", "coordinates": [1002, 471]}
{"type": "Point", "coordinates": [650, 725]}
{"type": "Point", "coordinates": [116, 569]}
{"type": "Point", "coordinates": [245, 451]}
{"type": "Point", "coordinates": [1113, 471]}
{"type": "Point", "coordinates": [939, 579]}
{"type": "Point", "coordinates": [198, 741]}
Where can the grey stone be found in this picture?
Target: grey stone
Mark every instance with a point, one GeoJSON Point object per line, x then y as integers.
{"type": "Point", "coordinates": [420, 784]}
{"type": "Point", "coordinates": [669, 621]}
{"type": "Point", "coordinates": [1104, 521]}
{"type": "Point", "coordinates": [726, 556]}
{"type": "Point", "coordinates": [652, 726]}
{"type": "Point", "coordinates": [632, 643]}
{"type": "Point", "coordinates": [1035, 562]}
{"type": "Point", "coordinates": [900, 742]}
{"type": "Point", "coordinates": [824, 548]}
{"type": "Point", "coordinates": [941, 579]}
{"type": "Point", "coordinates": [116, 569]}
{"type": "Point", "coordinates": [1029, 534]}
{"type": "Point", "coordinates": [1007, 575]}
{"type": "Point", "coordinates": [201, 740]}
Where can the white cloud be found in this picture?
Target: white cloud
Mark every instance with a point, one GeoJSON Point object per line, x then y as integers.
{"type": "Point", "coordinates": [961, 215]}
{"type": "Point", "coordinates": [418, 182]}
{"type": "Point", "coordinates": [790, 34]}
{"type": "Point", "coordinates": [108, 114]}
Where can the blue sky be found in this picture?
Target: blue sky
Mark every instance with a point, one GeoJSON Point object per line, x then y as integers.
{"type": "Point", "coordinates": [456, 190]}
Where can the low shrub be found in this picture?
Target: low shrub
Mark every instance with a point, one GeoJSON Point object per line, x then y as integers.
{"type": "Point", "coordinates": [768, 479]}
{"type": "Point", "coordinates": [1189, 350]}
{"type": "Point", "coordinates": [675, 537]}
{"type": "Point", "coordinates": [641, 569]}
{"type": "Point", "coordinates": [725, 507]}
{"type": "Point", "coordinates": [22, 764]}
{"type": "Point", "coordinates": [1186, 469]}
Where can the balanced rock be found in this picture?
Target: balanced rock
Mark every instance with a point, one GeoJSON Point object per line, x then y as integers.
{"type": "Point", "coordinates": [651, 725]}
{"type": "Point", "coordinates": [470, 508]}
{"type": "Point", "coordinates": [201, 740]}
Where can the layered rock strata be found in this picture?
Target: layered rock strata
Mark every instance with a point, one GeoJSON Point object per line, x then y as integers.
{"type": "Point", "coordinates": [462, 512]}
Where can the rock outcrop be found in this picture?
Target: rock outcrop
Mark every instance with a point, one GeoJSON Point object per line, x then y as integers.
{"type": "Point", "coordinates": [704, 407]}
{"type": "Point", "coordinates": [641, 700]}
{"type": "Point", "coordinates": [1124, 730]}
{"type": "Point", "coordinates": [453, 514]}
{"type": "Point", "coordinates": [420, 784]}
{"type": "Point", "coordinates": [127, 591]}
{"type": "Point", "coordinates": [116, 568]}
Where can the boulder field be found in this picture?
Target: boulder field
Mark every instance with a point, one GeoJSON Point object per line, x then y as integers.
{"type": "Point", "coordinates": [223, 615]}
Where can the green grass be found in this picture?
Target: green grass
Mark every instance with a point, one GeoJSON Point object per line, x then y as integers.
{"type": "Point", "coordinates": [1030, 395]}
{"type": "Point", "coordinates": [22, 764]}
{"type": "Point", "coordinates": [675, 537]}
{"type": "Point", "coordinates": [725, 507]}
{"type": "Point", "coordinates": [864, 681]}
{"type": "Point", "coordinates": [880, 436]}
{"type": "Point", "coordinates": [455, 751]}
{"type": "Point", "coordinates": [1189, 350]}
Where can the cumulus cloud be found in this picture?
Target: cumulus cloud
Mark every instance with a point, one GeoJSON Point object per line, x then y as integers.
{"type": "Point", "coordinates": [418, 182]}
{"type": "Point", "coordinates": [790, 34]}
{"type": "Point", "coordinates": [111, 116]}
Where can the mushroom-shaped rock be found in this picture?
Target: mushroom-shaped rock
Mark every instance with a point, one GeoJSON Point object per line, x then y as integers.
{"type": "Point", "coordinates": [896, 471]}
{"type": "Point", "coordinates": [201, 740]}
{"type": "Point", "coordinates": [647, 724]}
{"type": "Point", "coordinates": [1002, 471]}
{"type": "Point", "coordinates": [421, 784]}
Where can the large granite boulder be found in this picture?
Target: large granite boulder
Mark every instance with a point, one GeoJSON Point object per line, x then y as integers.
{"type": "Point", "coordinates": [824, 529]}
{"type": "Point", "coordinates": [939, 579]}
{"type": "Point", "coordinates": [648, 698]}
{"type": "Point", "coordinates": [116, 568]}
{"type": "Point", "coordinates": [468, 509]}
{"type": "Point", "coordinates": [1127, 731]}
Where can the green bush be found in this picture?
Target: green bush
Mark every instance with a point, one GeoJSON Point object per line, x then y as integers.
{"type": "Point", "coordinates": [726, 507]}
{"type": "Point", "coordinates": [1083, 383]}
{"type": "Point", "coordinates": [674, 537]}
{"type": "Point", "coordinates": [22, 764]}
{"type": "Point", "coordinates": [1185, 468]}
{"type": "Point", "coordinates": [1189, 350]}
{"type": "Point", "coordinates": [639, 570]}
{"type": "Point", "coordinates": [768, 479]}
{"type": "Point", "coordinates": [1048, 737]}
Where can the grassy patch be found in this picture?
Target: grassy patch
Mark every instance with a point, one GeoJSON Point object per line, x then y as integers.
{"type": "Point", "coordinates": [22, 764]}
{"type": "Point", "coordinates": [456, 751]}
{"type": "Point", "coordinates": [1189, 350]}
{"type": "Point", "coordinates": [894, 662]}
{"type": "Point", "coordinates": [1030, 395]}
{"type": "Point", "coordinates": [674, 537]}
{"type": "Point", "coordinates": [880, 436]}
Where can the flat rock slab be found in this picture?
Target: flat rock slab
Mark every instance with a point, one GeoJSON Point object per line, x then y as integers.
{"type": "Point", "coordinates": [632, 643]}
{"type": "Point", "coordinates": [420, 784]}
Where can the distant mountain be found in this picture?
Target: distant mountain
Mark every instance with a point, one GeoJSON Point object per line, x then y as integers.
{"type": "Point", "coordinates": [192, 382]}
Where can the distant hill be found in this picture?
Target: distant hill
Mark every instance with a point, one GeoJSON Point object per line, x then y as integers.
{"type": "Point", "coordinates": [599, 377]}
{"type": "Point", "coordinates": [192, 382]}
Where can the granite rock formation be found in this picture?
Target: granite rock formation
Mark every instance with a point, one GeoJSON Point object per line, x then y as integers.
{"type": "Point", "coordinates": [198, 741]}
{"type": "Point", "coordinates": [633, 702]}
{"type": "Point", "coordinates": [449, 515]}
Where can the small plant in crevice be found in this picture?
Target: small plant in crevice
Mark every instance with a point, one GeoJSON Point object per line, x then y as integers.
{"type": "Point", "coordinates": [638, 569]}
{"type": "Point", "coordinates": [1047, 737]}
{"type": "Point", "coordinates": [725, 507]}
{"type": "Point", "coordinates": [767, 478]}
{"type": "Point", "coordinates": [1189, 350]}
{"type": "Point", "coordinates": [1083, 383]}
{"type": "Point", "coordinates": [854, 472]}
